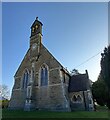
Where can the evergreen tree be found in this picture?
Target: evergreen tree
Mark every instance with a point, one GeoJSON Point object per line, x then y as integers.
{"type": "Point", "coordinates": [101, 88]}
{"type": "Point", "coordinates": [105, 66]}
{"type": "Point", "coordinates": [100, 91]}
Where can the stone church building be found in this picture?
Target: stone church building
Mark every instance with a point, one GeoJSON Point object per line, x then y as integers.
{"type": "Point", "coordinates": [42, 83]}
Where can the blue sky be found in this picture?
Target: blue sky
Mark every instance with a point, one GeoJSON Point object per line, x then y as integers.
{"type": "Point", "coordinates": [72, 32]}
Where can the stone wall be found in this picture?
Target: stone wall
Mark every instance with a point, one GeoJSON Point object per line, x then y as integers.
{"type": "Point", "coordinates": [86, 104]}
{"type": "Point", "coordinates": [53, 96]}
{"type": "Point", "coordinates": [89, 100]}
{"type": "Point", "coordinates": [76, 106]}
{"type": "Point", "coordinates": [50, 98]}
{"type": "Point", "coordinates": [17, 99]}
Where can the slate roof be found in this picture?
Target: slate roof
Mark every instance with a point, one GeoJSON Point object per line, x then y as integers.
{"type": "Point", "coordinates": [79, 82]}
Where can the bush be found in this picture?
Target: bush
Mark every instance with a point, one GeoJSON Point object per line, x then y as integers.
{"type": "Point", "coordinates": [4, 103]}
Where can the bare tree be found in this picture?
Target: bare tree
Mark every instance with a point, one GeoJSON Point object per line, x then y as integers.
{"type": "Point", "coordinates": [4, 91]}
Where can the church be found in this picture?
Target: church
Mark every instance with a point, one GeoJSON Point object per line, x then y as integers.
{"type": "Point", "coordinates": [42, 83]}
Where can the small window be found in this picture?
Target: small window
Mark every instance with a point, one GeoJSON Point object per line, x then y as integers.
{"type": "Point", "coordinates": [64, 78]}
{"type": "Point", "coordinates": [29, 92]}
{"type": "Point", "coordinates": [76, 98]}
{"type": "Point", "coordinates": [79, 99]}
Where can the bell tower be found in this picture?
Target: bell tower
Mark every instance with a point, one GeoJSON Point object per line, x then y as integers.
{"type": "Point", "coordinates": [35, 47]}
{"type": "Point", "coordinates": [35, 38]}
{"type": "Point", "coordinates": [36, 27]}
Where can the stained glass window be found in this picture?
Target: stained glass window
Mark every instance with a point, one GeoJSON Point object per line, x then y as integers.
{"type": "Point", "coordinates": [25, 79]}
{"type": "Point", "coordinates": [44, 76]}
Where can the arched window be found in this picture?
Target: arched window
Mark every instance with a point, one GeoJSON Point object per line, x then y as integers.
{"type": "Point", "coordinates": [25, 79]}
{"type": "Point", "coordinates": [79, 99]}
{"type": "Point", "coordinates": [76, 98]}
{"type": "Point", "coordinates": [44, 75]}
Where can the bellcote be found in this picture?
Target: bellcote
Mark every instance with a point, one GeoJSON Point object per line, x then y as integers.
{"type": "Point", "coordinates": [35, 38]}
{"type": "Point", "coordinates": [36, 28]}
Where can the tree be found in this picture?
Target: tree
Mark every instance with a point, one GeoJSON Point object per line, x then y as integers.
{"type": "Point", "coordinates": [4, 96]}
{"type": "Point", "coordinates": [99, 90]}
{"type": "Point", "coordinates": [4, 91]}
{"type": "Point", "coordinates": [75, 72]}
{"type": "Point", "coordinates": [105, 70]}
{"type": "Point", "coordinates": [105, 66]}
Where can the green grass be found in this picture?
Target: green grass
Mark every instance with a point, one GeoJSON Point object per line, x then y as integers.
{"type": "Point", "coordinates": [101, 108]}
{"type": "Point", "coordinates": [46, 114]}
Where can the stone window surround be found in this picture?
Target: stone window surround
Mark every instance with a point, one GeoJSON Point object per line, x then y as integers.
{"type": "Point", "coordinates": [44, 76]}
{"type": "Point", "coordinates": [23, 76]}
{"type": "Point", "coordinates": [29, 92]}
{"type": "Point", "coordinates": [76, 95]}
{"type": "Point", "coordinates": [39, 77]}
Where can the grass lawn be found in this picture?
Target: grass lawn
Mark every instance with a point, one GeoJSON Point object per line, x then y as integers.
{"type": "Point", "coordinates": [47, 114]}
